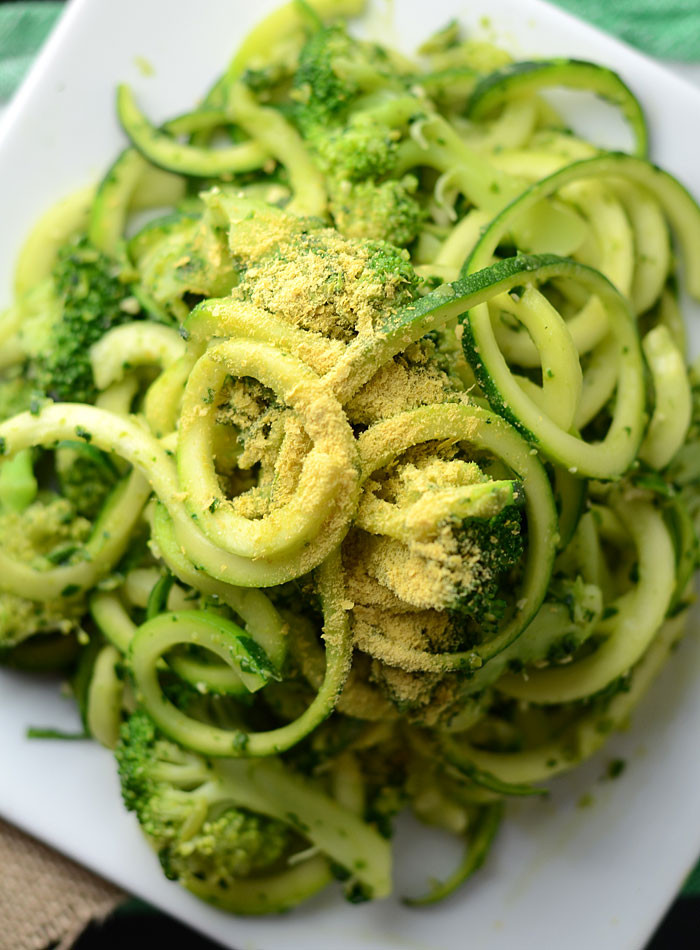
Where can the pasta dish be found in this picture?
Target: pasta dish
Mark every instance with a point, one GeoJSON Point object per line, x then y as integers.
{"type": "Point", "coordinates": [350, 452]}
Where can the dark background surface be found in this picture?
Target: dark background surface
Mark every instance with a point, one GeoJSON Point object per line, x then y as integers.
{"type": "Point", "coordinates": [139, 927]}
{"type": "Point", "coordinates": [136, 925]}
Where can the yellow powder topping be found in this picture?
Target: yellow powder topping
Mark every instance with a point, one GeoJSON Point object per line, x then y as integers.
{"type": "Point", "coordinates": [396, 387]}
{"type": "Point", "coordinates": [411, 481]}
{"type": "Point", "coordinates": [425, 574]}
{"type": "Point", "coordinates": [312, 277]}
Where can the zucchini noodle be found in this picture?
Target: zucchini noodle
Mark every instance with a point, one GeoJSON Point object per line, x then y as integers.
{"type": "Point", "coordinates": [363, 473]}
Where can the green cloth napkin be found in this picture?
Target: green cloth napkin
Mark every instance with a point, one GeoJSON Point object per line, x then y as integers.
{"type": "Point", "coordinates": [669, 29]}
{"type": "Point", "coordinates": [23, 29]}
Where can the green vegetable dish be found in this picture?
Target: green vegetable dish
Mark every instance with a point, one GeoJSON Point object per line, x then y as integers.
{"type": "Point", "coordinates": [361, 473]}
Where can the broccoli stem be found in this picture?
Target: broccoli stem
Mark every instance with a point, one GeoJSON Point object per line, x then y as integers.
{"type": "Point", "coordinates": [18, 486]}
{"type": "Point", "coordinates": [540, 228]}
{"type": "Point", "coordinates": [267, 787]}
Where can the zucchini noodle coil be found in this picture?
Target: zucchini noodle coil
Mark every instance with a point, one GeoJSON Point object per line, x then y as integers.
{"type": "Point", "coordinates": [349, 452]}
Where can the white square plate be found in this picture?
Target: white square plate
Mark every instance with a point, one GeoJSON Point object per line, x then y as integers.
{"type": "Point", "coordinates": [559, 876]}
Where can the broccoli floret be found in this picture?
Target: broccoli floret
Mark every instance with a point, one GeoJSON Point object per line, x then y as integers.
{"type": "Point", "coordinates": [236, 843]}
{"type": "Point", "coordinates": [392, 267]}
{"type": "Point", "coordinates": [21, 619]}
{"type": "Point", "coordinates": [184, 813]}
{"type": "Point", "coordinates": [320, 94]}
{"type": "Point", "coordinates": [362, 148]}
{"type": "Point", "coordinates": [81, 482]}
{"type": "Point", "coordinates": [387, 211]}
{"type": "Point", "coordinates": [45, 534]}
{"type": "Point", "coordinates": [493, 547]}
{"type": "Point", "coordinates": [85, 476]}
{"type": "Point", "coordinates": [38, 535]}
{"type": "Point", "coordinates": [333, 70]}
{"type": "Point", "coordinates": [212, 822]}
{"type": "Point", "coordinates": [356, 140]}
{"type": "Point", "coordinates": [353, 136]}
{"type": "Point", "coordinates": [88, 300]}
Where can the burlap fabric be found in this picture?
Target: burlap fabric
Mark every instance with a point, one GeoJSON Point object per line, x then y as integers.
{"type": "Point", "coordinates": [45, 899]}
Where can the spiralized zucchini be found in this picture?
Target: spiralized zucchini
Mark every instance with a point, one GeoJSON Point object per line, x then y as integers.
{"type": "Point", "coordinates": [378, 487]}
